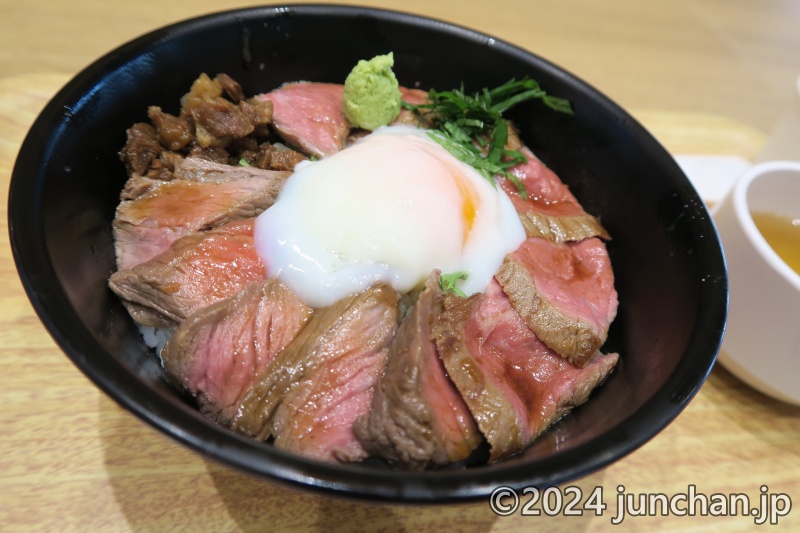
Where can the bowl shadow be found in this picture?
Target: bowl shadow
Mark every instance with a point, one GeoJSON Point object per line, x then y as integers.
{"type": "Point", "coordinates": [159, 484]}
{"type": "Point", "coordinates": [291, 510]}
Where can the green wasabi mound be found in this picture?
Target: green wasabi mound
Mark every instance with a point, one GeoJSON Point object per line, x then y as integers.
{"type": "Point", "coordinates": [371, 93]}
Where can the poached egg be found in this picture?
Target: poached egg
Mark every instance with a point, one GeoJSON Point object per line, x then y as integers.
{"type": "Point", "coordinates": [391, 207]}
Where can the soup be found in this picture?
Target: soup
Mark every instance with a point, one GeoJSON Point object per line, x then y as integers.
{"type": "Point", "coordinates": [783, 235]}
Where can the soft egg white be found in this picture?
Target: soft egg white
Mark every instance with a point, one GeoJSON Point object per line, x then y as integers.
{"type": "Point", "coordinates": [391, 207]}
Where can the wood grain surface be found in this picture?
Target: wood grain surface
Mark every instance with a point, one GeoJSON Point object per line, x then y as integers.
{"type": "Point", "coordinates": [705, 76]}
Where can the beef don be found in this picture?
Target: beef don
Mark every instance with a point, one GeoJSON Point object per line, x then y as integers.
{"type": "Point", "coordinates": [344, 382]}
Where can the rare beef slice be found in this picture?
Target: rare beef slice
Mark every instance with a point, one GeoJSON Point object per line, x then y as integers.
{"type": "Point", "coordinates": [418, 419]}
{"type": "Point", "coordinates": [309, 397]}
{"type": "Point", "coordinates": [218, 352]}
{"type": "Point", "coordinates": [564, 292]}
{"type": "Point", "coordinates": [309, 116]}
{"type": "Point", "coordinates": [199, 169]}
{"type": "Point", "coordinates": [406, 116]}
{"type": "Point", "coordinates": [154, 213]}
{"type": "Point", "coordinates": [550, 210]}
{"type": "Point", "coordinates": [514, 385]}
{"type": "Point", "coordinates": [197, 270]}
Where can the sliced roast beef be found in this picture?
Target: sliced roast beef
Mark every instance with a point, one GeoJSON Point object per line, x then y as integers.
{"type": "Point", "coordinates": [514, 385]}
{"type": "Point", "coordinates": [550, 210]}
{"type": "Point", "coordinates": [161, 212]}
{"type": "Point", "coordinates": [196, 271]}
{"type": "Point", "coordinates": [218, 352]}
{"type": "Point", "coordinates": [414, 97]}
{"type": "Point", "coordinates": [309, 116]}
{"type": "Point", "coordinates": [199, 169]}
{"type": "Point", "coordinates": [311, 395]}
{"type": "Point", "coordinates": [418, 419]}
{"type": "Point", "coordinates": [564, 292]}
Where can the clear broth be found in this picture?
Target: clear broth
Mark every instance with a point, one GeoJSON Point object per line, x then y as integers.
{"type": "Point", "coordinates": [783, 235]}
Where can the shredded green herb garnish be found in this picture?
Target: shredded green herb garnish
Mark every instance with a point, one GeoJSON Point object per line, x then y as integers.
{"type": "Point", "coordinates": [243, 162]}
{"type": "Point", "coordinates": [472, 127]}
{"type": "Point", "coordinates": [447, 282]}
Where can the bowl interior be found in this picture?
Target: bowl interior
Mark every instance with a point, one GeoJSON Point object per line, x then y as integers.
{"type": "Point", "coordinates": [775, 190]}
{"type": "Point", "coordinates": [669, 268]}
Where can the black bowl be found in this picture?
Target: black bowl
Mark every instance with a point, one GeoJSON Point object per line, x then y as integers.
{"type": "Point", "coordinates": [669, 265]}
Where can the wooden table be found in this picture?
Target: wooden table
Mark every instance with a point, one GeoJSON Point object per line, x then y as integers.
{"type": "Point", "coordinates": [706, 76]}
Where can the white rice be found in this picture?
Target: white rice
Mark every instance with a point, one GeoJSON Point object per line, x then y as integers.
{"type": "Point", "coordinates": [155, 337]}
